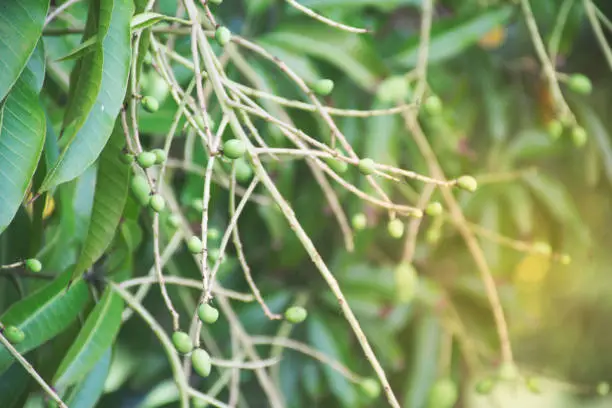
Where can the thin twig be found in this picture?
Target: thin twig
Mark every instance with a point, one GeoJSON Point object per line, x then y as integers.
{"type": "Point", "coordinates": [59, 10]}
{"type": "Point", "coordinates": [326, 20]}
{"type": "Point", "coordinates": [33, 373]}
{"type": "Point", "coordinates": [173, 358]}
{"type": "Point", "coordinates": [240, 252]}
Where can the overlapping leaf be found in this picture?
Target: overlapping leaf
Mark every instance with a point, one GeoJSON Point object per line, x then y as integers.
{"type": "Point", "coordinates": [21, 140]}
{"type": "Point", "coordinates": [21, 24]}
{"type": "Point", "coordinates": [43, 315]}
{"type": "Point", "coordinates": [351, 53]}
{"type": "Point", "coordinates": [87, 393]}
{"type": "Point", "coordinates": [94, 339]}
{"type": "Point", "coordinates": [109, 199]}
{"type": "Point", "coordinates": [89, 140]}
{"type": "Point", "coordinates": [451, 37]}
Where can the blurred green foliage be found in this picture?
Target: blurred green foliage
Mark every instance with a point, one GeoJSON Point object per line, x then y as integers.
{"type": "Point", "coordinates": [495, 112]}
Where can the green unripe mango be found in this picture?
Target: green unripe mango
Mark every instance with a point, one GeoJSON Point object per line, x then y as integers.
{"type": "Point", "coordinates": [296, 314]}
{"type": "Point", "coordinates": [201, 363]}
{"type": "Point", "coordinates": [182, 342]}
{"type": "Point", "coordinates": [366, 166]}
{"type": "Point", "coordinates": [146, 159]}
{"type": "Point", "coordinates": [234, 149]}
{"type": "Point", "coordinates": [207, 313]}
{"type": "Point", "coordinates": [33, 264]}
{"type": "Point", "coordinates": [14, 334]}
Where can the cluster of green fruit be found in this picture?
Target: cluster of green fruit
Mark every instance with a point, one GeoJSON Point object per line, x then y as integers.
{"type": "Point", "coordinates": [200, 359]}
{"type": "Point", "coordinates": [395, 227]}
{"type": "Point", "coordinates": [580, 84]}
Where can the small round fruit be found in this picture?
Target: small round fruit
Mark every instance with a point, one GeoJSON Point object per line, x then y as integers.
{"type": "Point", "coordinates": [157, 203]}
{"type": "Point", "coordinates": [223, 35]}
{"type": "Point", "coordinates": [396, 228]}
{"type": "Point", "coordinates": [468, 183]}
{"type": "Point", "coordinates": [603, 388]}
{"type": "Point", "coordinates": [393, 89]}
{"type": "Point", "coordinates": [174, 220]}
{"type": "Point", "coordinates": [508, 372]}
{"type": "Point", "coordinates": [370, 387]}
{"type": "Point", "coordinates": [443, 394]}
{"type": "Point", "coordinates": [296, 314]}
{"type": "Point", "coordinates": [14, 334]}
{"type": "Point", "coordinates": [207, 313]}
{"type": "Point", "coordinates": [194, 244]}
{"type": "Point", "coordinates": [33, 264]}
{"type": "Point", "coordinates": [213, 234]}
{"type": "Point", "coordinates": [580, 84]}
{"type": "Point", "coordinates": [433, 105]}
{"type": "Point", "coordinates": [126, 157]}
{"type": "Point", "coordinates": [554, 129]}
{"type": "Point", "coordinates": [359, 221]}
{"type": "Point", "coordinates": [323, 87]}
{"type": "Point", "coordinates": [140, 189]}
{"type": "Point", "coordinates": [160, 156]}
{"type": "Point", "coordinates": [200, 360]}
{"type": "Point", "coordinates": [485, 386]}
{"type": "Point", "coordinates": [542, 247]}
{"type": "Point", "coordinates": [214, 254]}
{"type": "Point", "coordinates": [366, 166]}
{"type": "Point", "coordinates": [336, 165]}
{"type": "Point", "coordinates": [406, 279]}
{"type": "Point", "coordinates": [182, 342]}
{"type": "Point", "coordinates": [234, 149]}
{"type": "Point", "coordinates": [579, 136]}
{"type": "Point", "coordinates": [150, 104]}
{"type": "Point", "coordinates": [434, 209]}
{"type": "Point", "coordinates": [198, 204]}
{"type": "Point", "coordinates": [533, 385]}
{"type": "Point", "coordinates": [565, 259]}
{"type": "Point", "coordinates": [433, 235]}
{"type": "Point", "coordinates": [146, 159]}
{"type": "Point", "coordinates": [244, 172]}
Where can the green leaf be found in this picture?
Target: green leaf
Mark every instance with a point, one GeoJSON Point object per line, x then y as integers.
{"type": "Point", "coordinates": [520, 207]}
{"type": "Point", "coordinates": [13, 384]}
{"type": "Point", "coordinates": [347, 4]}
{"type": "Point", "coordinates": [44, 314]}
{"type": "Point", "coordinates": [86, 77]}
{"type": "Point", "coordinates": [21, 142]}
{"type": "Point", "coordinates": [530, 144]}
{"type": "Point", "coordinates": [424, 365]}
{"type": "Point", "coordinates": [89, 141]}
{"type": "Point", "coordinates": [351, 53]}
{"type": "Point", "coordinates": [88, 392]}
{"type": "Point", "coordinates": [450, 37]}
{"type": "Point", "coordinates": [322, 337]}
{"type": "Point", "coordinates": [85, 47]}
{"type": "Point", "coordinates": [109, 199]}
{"type": "Point", "coordinates": [21, 24]}
{"type": "Point", "coordinates": [381, 143]}
{"type": "Point", "coordinates": [96, 336]}
{"type": "Point", "coordinates": [145, 20]}
{"type": "Point", "coordinates": [554, 196]}
{"type": "Point", "coordinates": [595, 128]}
{"type": "Point", "coordinates": [34, 74]}
{"type": "Point", "coordinates": [298, 62]}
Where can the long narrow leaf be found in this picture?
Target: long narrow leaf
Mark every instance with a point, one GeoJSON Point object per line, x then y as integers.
{"type": "Point", "coordinates": [21, 24]}
{"type": "Point", "coordinates": [96, 336]}
{"type": "Point", "coordinates": [44, 314]}
{"type": "Point", "coordinates": [87, 144]}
